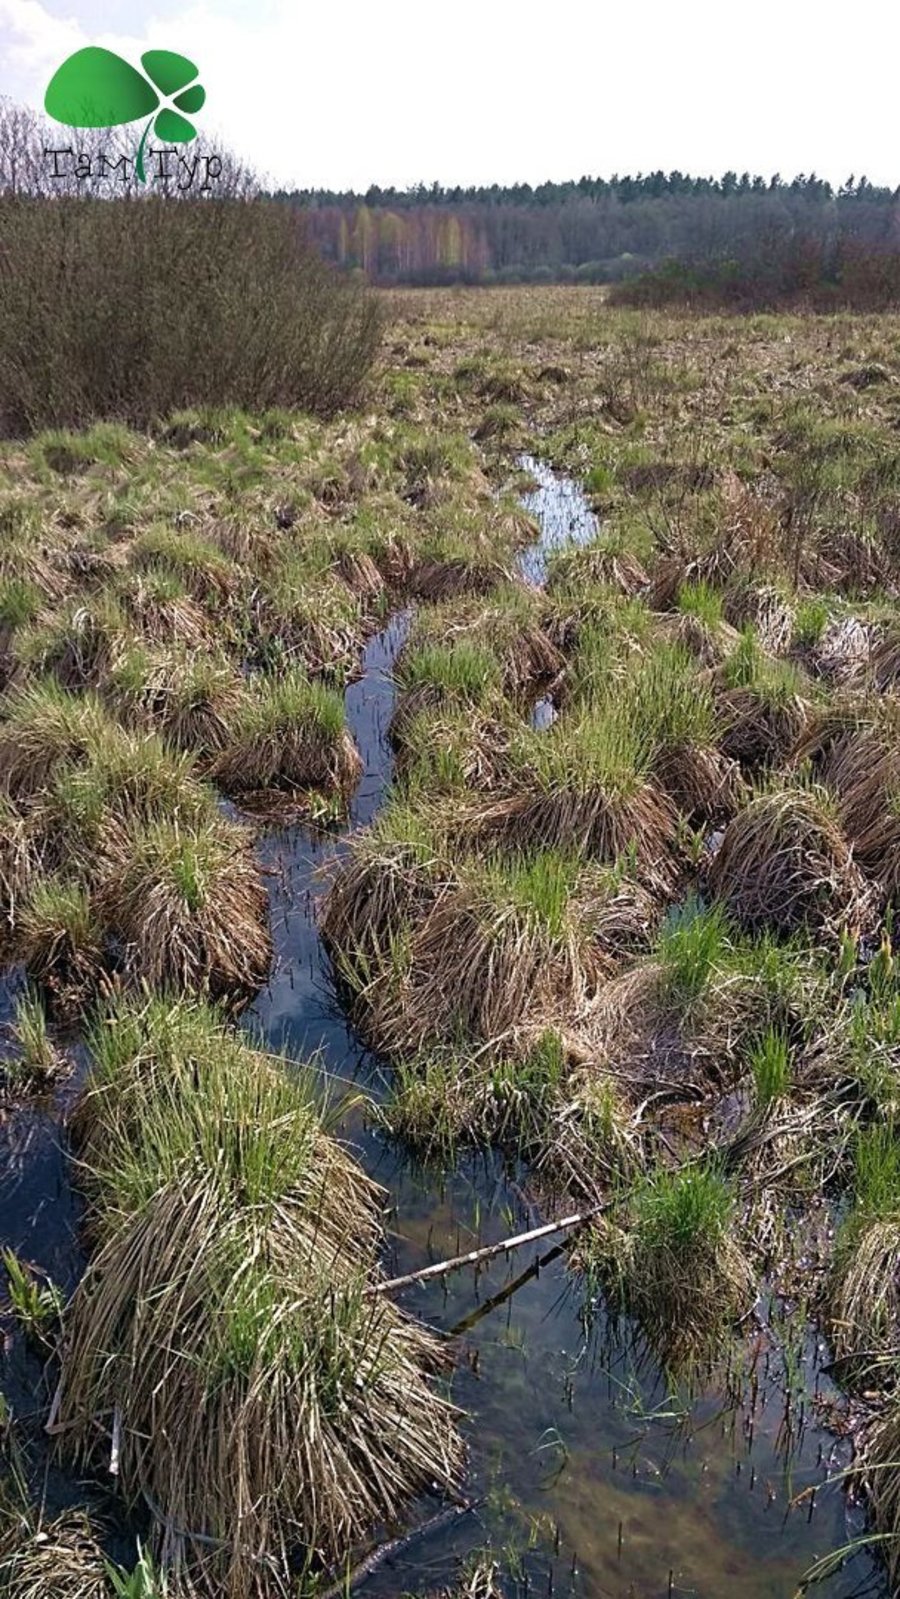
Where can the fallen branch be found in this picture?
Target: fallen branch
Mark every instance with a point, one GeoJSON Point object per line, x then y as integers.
{"type": "Point", "coordinates": [350, 1581]}
{"type": "Point", "coordinates": [476, 1256]}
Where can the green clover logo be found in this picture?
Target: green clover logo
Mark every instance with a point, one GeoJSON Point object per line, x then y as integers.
{"type": "Point", "coordinates": [95, 88]}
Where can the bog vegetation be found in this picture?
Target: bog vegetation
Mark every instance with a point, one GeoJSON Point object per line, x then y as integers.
{"type": "Point", "coordinates": [641, 943]}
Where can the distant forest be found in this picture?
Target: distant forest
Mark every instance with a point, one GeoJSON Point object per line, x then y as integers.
{"type": "Point", "coordinates": [592, 230]}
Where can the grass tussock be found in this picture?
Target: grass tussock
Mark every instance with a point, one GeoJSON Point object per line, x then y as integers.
{"type": "Point", "coordinates": [290, 734]}
{"type": "Point", "coordinates": [271, 1410]}
{"type": "Point", "coordinates": [863, 1300]}
{"type": "Point", "coordinates": [583, 786]}
{"type": "Point", "coordinates": [189, 905]}
{"type": "Point", "coordinates": [678, 1267]}
{"type": "Point", "coordinates": [511, 937]}
{"type": "Point", "coordinates": [784, 864]}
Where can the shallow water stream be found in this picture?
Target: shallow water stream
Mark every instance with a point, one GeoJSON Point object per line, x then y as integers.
{"type": "Point", "coordinates": [597, 1479]}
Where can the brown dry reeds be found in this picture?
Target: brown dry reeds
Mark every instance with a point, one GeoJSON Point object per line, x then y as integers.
{"type": "Point", "coordinates": [785, 865]}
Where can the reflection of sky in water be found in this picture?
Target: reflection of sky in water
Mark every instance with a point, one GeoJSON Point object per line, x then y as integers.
{"type": "Point", "coordinates": [577, 1431]}
{"type": "Point", "coordinates": [563, 513]}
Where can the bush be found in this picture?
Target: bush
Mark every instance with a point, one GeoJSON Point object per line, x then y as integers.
{"type": "Point", "coordinates": [133, 309]}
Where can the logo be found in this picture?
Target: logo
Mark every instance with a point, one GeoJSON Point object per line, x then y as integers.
{"type": "Point", "coordinates": [95, 88]}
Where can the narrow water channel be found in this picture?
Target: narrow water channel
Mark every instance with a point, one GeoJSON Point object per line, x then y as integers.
{"type": "Point", "coordinates": [588, 1472]}
{"type": "Point", "coordinates": [600, 1481]}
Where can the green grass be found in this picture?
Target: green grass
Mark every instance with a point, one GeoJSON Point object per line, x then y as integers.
{"type": "Point", "coordinates": [876, 1173]}
{"type": "Point", "coordinates": [464, 669]}
{"type": "Point", "coordinates": [810, 621]}
{"type": "Point", "coordinates": [675, 1211]}
{"type": "Point", "coordinates": [776, 682]}
{"type": "Point", "coordinates": [695, 944]}
{"type": "Point", "coordinates": [700, 599]}
{"type": "Point", "coordinates": [538, 886]}
{"type": "Point", "coordinates": [668, 701]}
{"type": "Point", "coordinates": [38, 1059]}
{"type": "Point", "coordinates": [770, 1065]}
{"type": "Point", "coordinates": [587, 749]}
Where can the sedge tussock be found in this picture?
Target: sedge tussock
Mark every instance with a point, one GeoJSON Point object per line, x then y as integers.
{"type": "Point", "coordinates": [80, 647]}
{"type": "Point", "coordinates": [436, 580]}
{"type": "Point", "coordinates": [678, 1266]}
{"type": "Point", "coordinates": [268, 1406]}
{"type": "Point", "coordinates": [190, 700]}
{"type": "Point", "coordinates": [862, 768]}
{"type": "Point", "coordinates": [44, 726]}
{"type": "Point", "coordinates": [863, 1301]}
{"type": "Point", "coordinates": [203, 569]}
{"type": "Point", "coordinates": [289, 733]}
{"type": "Point", "coordinates": [162, 613]}
{"type": "Point", "coordinates": [758, 605]}
{"type": "Point", "coordinates": [884, 663]}
{"type": "Point", "coordinates": [759, 730]}
{"type": "Point", "coordinates": [60, 938]}
{"type": "Point", "coordinates": [784, 864]}
{"type": "Point", "coordinates": [392, 877]}
{"type": "Point", "coordinates": [512, 938]}
{"type": "Point", "coordinates": [589, 1141]}
{"type": "Point", "coordinates": [601, 564]}
{"type": "Point", "coordinates": [187, 901]}
{"type": "Point", "coordinates": [19, 860]}
{"type": "Point", "coordinates": [358, 570]}
{"type": "Point", "coordinates": [701, 782]}
{"type": "Point", "coordinates": [460, 675]}
{"type": "Point", "coordinates": [455, 752]}
{"type": "Point", "coordinates": [879, 1471]}
{"type": "Point", "coordinates": [707, 643]}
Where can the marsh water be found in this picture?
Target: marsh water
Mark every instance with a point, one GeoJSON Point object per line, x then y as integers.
{"type": "Point", "coordinates": [589, 1474]}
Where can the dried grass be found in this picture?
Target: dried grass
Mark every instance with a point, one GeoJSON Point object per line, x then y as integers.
{"type": "Point", "coordinates": [785, 865]}
{"type": "Point", "coordinates": [58, 1559]}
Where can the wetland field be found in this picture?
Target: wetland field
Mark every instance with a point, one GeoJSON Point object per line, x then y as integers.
{"type": "Point", "coordinates": [418, 825]}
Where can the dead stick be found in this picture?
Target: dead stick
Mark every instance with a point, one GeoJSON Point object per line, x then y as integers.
{"type": "Point", "coordinates": [475, 1256]}
{"type": "Point", "coordinates": [351, 1580]}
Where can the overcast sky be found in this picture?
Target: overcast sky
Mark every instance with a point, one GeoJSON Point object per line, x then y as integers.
{"type": "Point", "coordinates": [351, 92]}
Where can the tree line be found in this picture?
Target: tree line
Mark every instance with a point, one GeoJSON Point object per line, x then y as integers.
{"type": "Point", "coordinates": [592, 229]}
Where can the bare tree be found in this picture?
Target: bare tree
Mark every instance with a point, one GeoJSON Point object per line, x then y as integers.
{"type": "Point", "coordinates": [43, 159]}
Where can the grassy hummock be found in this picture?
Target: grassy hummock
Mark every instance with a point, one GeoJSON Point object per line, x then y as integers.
{"type": "Point", "coordinates": [267, 1407]}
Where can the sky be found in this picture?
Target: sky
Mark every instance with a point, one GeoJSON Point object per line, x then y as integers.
{"type": "Point", "coordinates": [354, 92]}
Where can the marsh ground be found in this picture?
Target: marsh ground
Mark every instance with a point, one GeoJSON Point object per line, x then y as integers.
{"type": "Point", "coordinates": [604, 851]}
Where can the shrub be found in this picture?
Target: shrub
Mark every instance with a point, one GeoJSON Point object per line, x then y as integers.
{"type": "Point", "coordinates": [118, 309]}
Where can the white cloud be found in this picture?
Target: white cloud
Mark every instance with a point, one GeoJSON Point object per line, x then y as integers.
{"type": "Point", "coordinates": [486, 90]}
{"type": "Point", "coordinates": [34, 41]}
